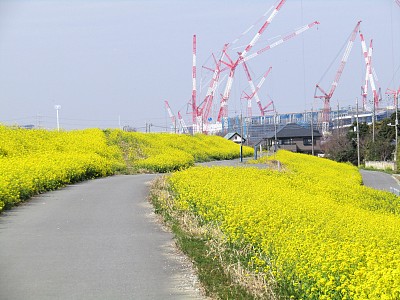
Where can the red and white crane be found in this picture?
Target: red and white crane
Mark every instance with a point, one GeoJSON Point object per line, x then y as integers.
{"type": "Point", "coordinates": [223, 112]}
{"type": "Point", "coordinates": [370, 74]}
{"type": "Point", "coordinates": [395, 93]}
{"type": "Point", "coordinates": [194, 91]}
{"type": "Point", "coordinates": [182, 123]}
{"type": "Point", "coordinates": [282, 40]}
{"type": "Point", "coordinates": [232, 65]}
{"type": "Point", "coordinates": [326, 96]}
{"type": "Point", "coordinates": [201, 113]}
{"type": "Point", "coordinates": [254, 91]}
{"type": "Point", "coordinates": [171, 115]}
{"type": "Point", "coordinates": [204, 108]}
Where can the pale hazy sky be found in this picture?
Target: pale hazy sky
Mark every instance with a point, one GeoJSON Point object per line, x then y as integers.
{"type": "Point", "coordinates": [108, 60]}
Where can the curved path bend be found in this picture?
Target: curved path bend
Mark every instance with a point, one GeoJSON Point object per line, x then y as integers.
{"type": "Point", "coordinates": [379, 180]}
{"type": "Point", "coordinates": [99, 240]}
{"type": "Point", "coordinates": [94, 240]}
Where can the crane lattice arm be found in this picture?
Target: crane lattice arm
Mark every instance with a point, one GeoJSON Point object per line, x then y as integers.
{"type": "Point", "coordinates": [223, 109]}
{"type": "Point", "coordinates": [344, 60]}
{"type": "Point", "coordinates": [171, 115]}
{"type": "Point", "coordinates": [182, 123]}
{"type": "Point", "coordinates": [194, 92]}
{"type": "Point", "coordinates": [254, 90]}
{"type": "Point", "coordinates": [282, 40]}
{"type": "Point", "coordinates": [327, 96]}
{"type": "Point", "coordinates": [370, 74]}
{"type": "Point", "coordinates": [268, 47]}
{"type": "Point", "coordinates": [203, 111]}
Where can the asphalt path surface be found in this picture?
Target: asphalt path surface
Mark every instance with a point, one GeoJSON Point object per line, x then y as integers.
{"type": "Point", "coordinates": [95, 240]}
{"type": "Point", "coordinates": [379, 180]}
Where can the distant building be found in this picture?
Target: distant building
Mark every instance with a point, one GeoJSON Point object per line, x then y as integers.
{"type": "Point", "coordinates": [234, 137]}
{"type": "Point", "coordinates": [257, 127]}
{"type": "Point", "coordinates": [28, 126]}
{"type": "Point", "coordinates": [295, 138]}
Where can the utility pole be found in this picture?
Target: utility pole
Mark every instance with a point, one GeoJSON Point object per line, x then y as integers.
{"type": "Point", "coordinates": [395, 94]}
{"type": "Point", "coordinates": [312, 131]}
{"type": "Point", "coordinates": [358, 137]}
{"type": "Point", "coordinates": [275, 125]}
{"type": "Point", "coordinates": [57, 107]}
{"type": "Point", "coordinates": [241, 138]}
{"type": "Point", "coordinates": [337, 121]}
{"type": "Point", "coordinates": [373, 125]}
{"type": "Point", "coordinates": [396, 123]}
{"type": "Point", "coordinates": [396, 136]}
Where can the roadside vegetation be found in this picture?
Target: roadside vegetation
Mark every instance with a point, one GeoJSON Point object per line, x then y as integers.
{"type": "Point", "coordinates": [308, 231]}
{"type": "Point", "coordinates": [35, 161]}
{"type": "Point", "coordinates": [161, 152]}
{"type": "Point", "coordinates": [377, 143]}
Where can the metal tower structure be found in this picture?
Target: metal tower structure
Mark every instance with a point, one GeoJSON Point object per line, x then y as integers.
{"type": "Point", "coordinates": [182, 124]}
{"type": "Point", "coordinates": [223, 112]}
{"type": "Point", "coordinates": [326, 97]}
{"type": "Point", "coordinates": [204, 108]}
{"type": "Point", "coordinates": [194, 92]}
{"type": "Point", "coordinates": [232, 65]}
{"type": "Point", "coordinates": [171, 115]}
{"type": "Point", "coordinates": [254, 91]}
{"type": "Point", "coordinates": [370, 74]}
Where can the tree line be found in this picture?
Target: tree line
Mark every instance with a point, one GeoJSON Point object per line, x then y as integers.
{"type": "Point", "coordinates": [377, 142]}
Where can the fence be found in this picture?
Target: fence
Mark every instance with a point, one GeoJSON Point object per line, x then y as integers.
{"type": "Point", "coordinates": [381, 165]}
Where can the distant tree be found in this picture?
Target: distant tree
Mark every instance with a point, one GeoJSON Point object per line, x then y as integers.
{"type": "Point", "coordinates": [380, 150]}
{"type": "Point", "coordinates": [339, 147]}
{"type": "Point", "coordinates": [343, 147]}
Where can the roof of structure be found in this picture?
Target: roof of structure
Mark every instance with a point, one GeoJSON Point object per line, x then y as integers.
{"type": "Point", "coordinates": [230, 135]}
{"type": "Point", "coordinates": [293, 130]}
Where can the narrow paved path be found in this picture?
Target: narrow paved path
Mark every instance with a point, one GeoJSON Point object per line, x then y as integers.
{"type": "Point", "coordinates": [94, 240]}
{"type": "Point", "coordinates": [379, 180]}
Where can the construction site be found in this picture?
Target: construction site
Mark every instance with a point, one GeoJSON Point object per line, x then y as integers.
{"type": "Point", "coordinates": [209, 113]}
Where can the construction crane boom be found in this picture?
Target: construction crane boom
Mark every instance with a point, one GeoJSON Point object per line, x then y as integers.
{"type": "Point", "coordinates": [268, 47]}
{"type": "Point", "coordinates": [203, 111]}
{"type": "Point", "coordinates": [254, 90]}
{"type": "Point", "coordinates": [223, 108]}
{"type": "Point", "coordinates": [282, 40]}
{"type": "Point", "coordinates": [370, 74]}
{"type": "Point", "coordinates": [396, 95]}
{"type": "Point", "coordinates": [194, 92]}
{"type": "Point", "coordinates": [171, 115]}
{"type": "Point", "coordinates": [327, 96]}
{"type": "Point", "coordinates": [182, 123]}
{"type": "Point", "coordinates": [367, 59]}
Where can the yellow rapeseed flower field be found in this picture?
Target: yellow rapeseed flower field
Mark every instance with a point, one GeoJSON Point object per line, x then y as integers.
{"type": "Point", "coordinates": [34, 161]}
{"type": "Point", "coordinates": [313, 228]}
{"type": "Point", "coordinates": [165, 152]}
